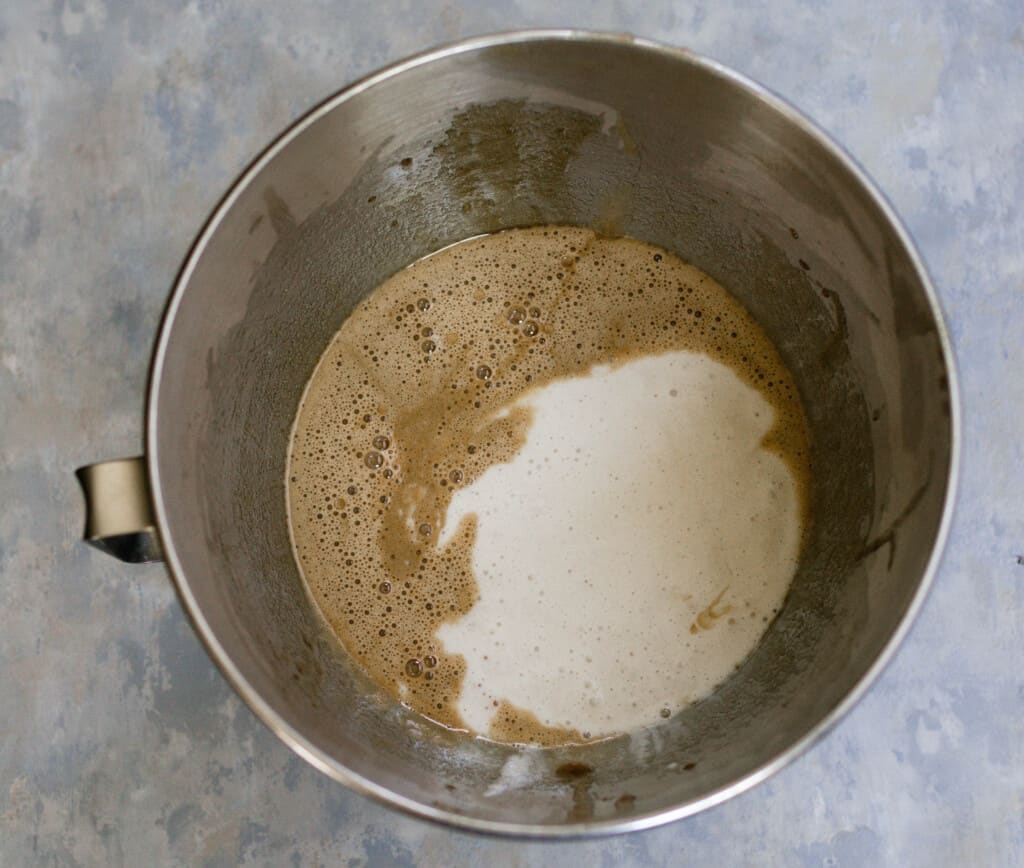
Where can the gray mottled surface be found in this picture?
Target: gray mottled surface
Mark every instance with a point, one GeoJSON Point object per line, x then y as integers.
{"type": "Point", "coordinates": [120, 125]}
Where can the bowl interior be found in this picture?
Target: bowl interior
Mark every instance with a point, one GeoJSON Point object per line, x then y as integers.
{"type": "Point", "coordinates": [629, 139]}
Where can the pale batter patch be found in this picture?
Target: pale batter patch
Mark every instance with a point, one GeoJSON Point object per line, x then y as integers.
{"type": "Point", "coordinates": [446, 371]}
{"type": "Point", "coordinates": [630, 554]}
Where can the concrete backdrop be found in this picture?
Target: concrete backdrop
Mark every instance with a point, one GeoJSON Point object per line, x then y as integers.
{"type": "Point", "coordinates": [121, 123]}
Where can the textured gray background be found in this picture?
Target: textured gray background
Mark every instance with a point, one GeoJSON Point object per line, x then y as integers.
{"type": "Point", "coordinates": [120, 125]}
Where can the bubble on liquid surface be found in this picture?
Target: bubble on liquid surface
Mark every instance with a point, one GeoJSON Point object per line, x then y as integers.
{"type": "Point", "coordinates": [373, 460]}
{"type": "Point", "coordinates": [483, 372]}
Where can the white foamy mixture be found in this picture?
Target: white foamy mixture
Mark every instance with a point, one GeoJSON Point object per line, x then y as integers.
{"type": "Point", "coordinates": [629, 556]}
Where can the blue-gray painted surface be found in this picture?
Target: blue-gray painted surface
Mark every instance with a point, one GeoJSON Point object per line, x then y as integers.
{"type": "Point", "coordinates": [120, 125]}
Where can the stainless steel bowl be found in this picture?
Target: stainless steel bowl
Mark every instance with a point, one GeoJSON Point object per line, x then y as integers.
{"type": "Point", "coordinates": [608, 131]}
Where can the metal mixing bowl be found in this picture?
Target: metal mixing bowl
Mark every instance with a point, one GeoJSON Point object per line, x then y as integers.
{"type": "Point", "coordinates": [607, 131]}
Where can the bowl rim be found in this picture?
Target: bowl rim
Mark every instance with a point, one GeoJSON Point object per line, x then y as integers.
{"type": "Point", "coordinates": [366, 786]}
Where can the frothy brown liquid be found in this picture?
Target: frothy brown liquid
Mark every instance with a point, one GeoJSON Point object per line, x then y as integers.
{"type": "Point", "coordinates": [403, 409]}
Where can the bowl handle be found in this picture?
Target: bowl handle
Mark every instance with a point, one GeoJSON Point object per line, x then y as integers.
{"type": "Point", "coordinates": [118, 510]}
